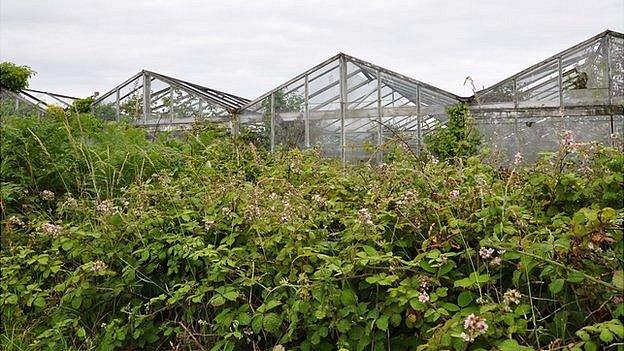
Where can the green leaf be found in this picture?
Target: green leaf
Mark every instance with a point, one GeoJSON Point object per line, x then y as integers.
{"type": "Point", "coordinates": [39, 301]}
{"type": "Point", "coordinates": [269, 305]}
{"type": "Point", "coordinates": [348, 297]}
{"type": "Point", "coordinates": [81, 333]}
{"type": "Point", "coordinates": [382, 322]}
{"type": "Point", "coordinates": [449, 306]}
{"type": "Point", "coordinates": [576, 277]}
{"type": "Point", "coordinates": [556, 286]}
{"type": "Point", "coordinates": [217, 300]}
{"type": "Point", "coordinates": [231, 295]}
{"type": "Point", "coordinates": [272, 323]}
{"type": "Point", "coordinates": [11, 300]}
{"type": "Point", "coordinates": [590, 346]}
{"type": "Point", "coordinates": [606, 336]}
{"type": "Point", "coordinates": [68, 245]}
{"type": "Point", "coordinates": [512, 345]}
{"type": "Point", "coordinates": [464, 299]}
{"type": "Point", "coordinates": [76, 302]}
{"type": "Point", "coordinates": [618, 279]}
{"type": "Point", "coordinates": [256, 323]}
{"type": "Point", "coordinates": [583, 335]}
{"type": "Point", "coordinates": [116, 220]}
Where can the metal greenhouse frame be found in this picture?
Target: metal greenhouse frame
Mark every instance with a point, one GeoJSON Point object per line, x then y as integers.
{"type": "Point", "coordinates": [29, 101]}
{"type": "Point", "coordinates": [170, 102]}
{"type": "Point", "coordinates": [348, 107]}
{"type": "Point", "coordinates": [580, 89]}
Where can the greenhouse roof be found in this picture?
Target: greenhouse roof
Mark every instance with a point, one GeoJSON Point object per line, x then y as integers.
{"type": "Point", "coordinates": [574, 55]}
{"type": "Point", "coordinates": [399, 83]}
{"type": "Point", "coordinates": [227, 101]}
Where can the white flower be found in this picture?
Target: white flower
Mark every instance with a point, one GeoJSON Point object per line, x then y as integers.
{"type": "Point", "coordinates": [423, 297]}
{"type": "Point", "coordinates": [47, 195]}
{"type": "Point", "coordinates": [98, 266]}
{"type": "Point", "coordinates": [454, 195]}
{"type": "Point", "coordinates": [51, 229]}
{"type": "Point", "coordinates": [512, 296]}
{"type": "Point", "coordinates": [208, 224]}
{"type": "Point", "coordinates": [279, 348]}
{"type": "Point", "coordinates": [518, 158]}
{"type": "Point", "coordinates": [568, 139]}
{"type": "Point", "coordinates": [105, 207]}
{"type": "Point", "coordinates": [474, 326]}
{"type": "Point", "coordinates": [16, 222]}
{"type": "Point", "coordinates": [365, 217]}
{"type": "Point", "coordinates": [486, 252]}
{"type": "Point", "coordinates": [318, 199]}
{"type": "Point", "coordinates": [467, 337]}
{"type": "Point", "coordinates": [496, 261]}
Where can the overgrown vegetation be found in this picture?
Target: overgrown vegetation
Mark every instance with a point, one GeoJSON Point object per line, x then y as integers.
{"type": "Point", "coordinates": [14, 77]}
{"type": "Point", "coordinates": [459, 137]}
{"type": "Point", "coordinates": [114, 242]}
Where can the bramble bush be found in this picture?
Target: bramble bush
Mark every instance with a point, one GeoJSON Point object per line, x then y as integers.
{"type": "Point", "coordinates": [114, 242]}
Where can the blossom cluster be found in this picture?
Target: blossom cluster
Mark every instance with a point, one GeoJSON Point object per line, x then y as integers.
{"type": "Point", "coordinates": [365, 217]}
{"type": "Point", "coordinates": [47, 195]}
{"type": "Point", "coordinates": [473, 327]}
{"type": "Point", "coordinates": [105, 207]}
{"type": "Point", "coordinates": [489, 253]}
{"type": "Point", "coordinates": [512, 296]}
{"type": "Point", "coordinates": [454, 195]}
{"type": "Point", "coordinates": [52, 230]}
{"type": "Point", "coordinates": [16, 222]}
{"type": "Point", "coordinates": [98, 266]}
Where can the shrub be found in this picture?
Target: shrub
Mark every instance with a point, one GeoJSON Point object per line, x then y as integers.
{"type": "Point", "coordinates": [14, 77]}
{"type": "Point", "coordinates": [206, 243]}
{"type": "Point", "coordinates": [458, 139]}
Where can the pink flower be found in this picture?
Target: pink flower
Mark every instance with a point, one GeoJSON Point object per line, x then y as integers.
{"type": "Point", "coordinates": [518, 158]}
{"type": "Point", "coordinates": [423, 297]}
{"type": "Point", "coordinates": [567, 137]}
{"type": "Point", "coordinates": [454, 195]}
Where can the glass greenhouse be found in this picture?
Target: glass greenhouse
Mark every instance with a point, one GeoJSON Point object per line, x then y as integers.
{"type": "Point", "coordinates": [29, 101]}
{"type": "Point", "coordinates": [170, 102]}
{"type": "Point", "coordinates": [580, 89]}
{"type": "Point", "coordinates": [348, 107]}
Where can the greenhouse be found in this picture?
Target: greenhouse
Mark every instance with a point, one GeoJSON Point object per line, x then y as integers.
{"type": "Point", "coordinates": [30, 101]}
{"type": "Point", "coordinates": [348, 107]}
{"type": "Point", "coordinates": [170, 102]}
{"type": "Point", "coordinates": [580, 89]}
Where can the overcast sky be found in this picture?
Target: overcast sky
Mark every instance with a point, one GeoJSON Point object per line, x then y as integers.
{"type": "Point", "coordinates": [249, 47]}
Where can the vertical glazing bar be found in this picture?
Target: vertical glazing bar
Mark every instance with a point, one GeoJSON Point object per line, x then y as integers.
{"type": "Point", "coordinates": [419, 119]}
{"type": "Point", "coordinates": [515, 93]}
{"type": "Point", "coordinates": [200, 107]}
{"type": "Point", "coordinates": [609, 77]}
{"type": "Point", "coordinates": [272, 122]}
{"type": "Point", "coordinates": [560, 68]}
{"type": "Point", "coordinates": [171, 104]}
{"type": "Point", "coordinates": [117, 106]}
{"type": "Point", "coordinates": [343, 107]}
{"type": "Point", "coordinates": [146, 96]}
{"type": "Point", "coordinates": [234, 124]}
{"type": "Point", "coordinates": [515, 133]}
{"type": "Point", "coordinates": [379, 111]}
{"type": "Point", "coordinates": [306, 112]}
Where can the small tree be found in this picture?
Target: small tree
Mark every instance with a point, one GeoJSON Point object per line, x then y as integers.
{"type": "Point", "coordinates": [458, 139]}
{"type": "Point", "coordinates": [14, 77]}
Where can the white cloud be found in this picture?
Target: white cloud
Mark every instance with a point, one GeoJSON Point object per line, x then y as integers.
{"type": "Point", "coordinates": [247, 48]}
